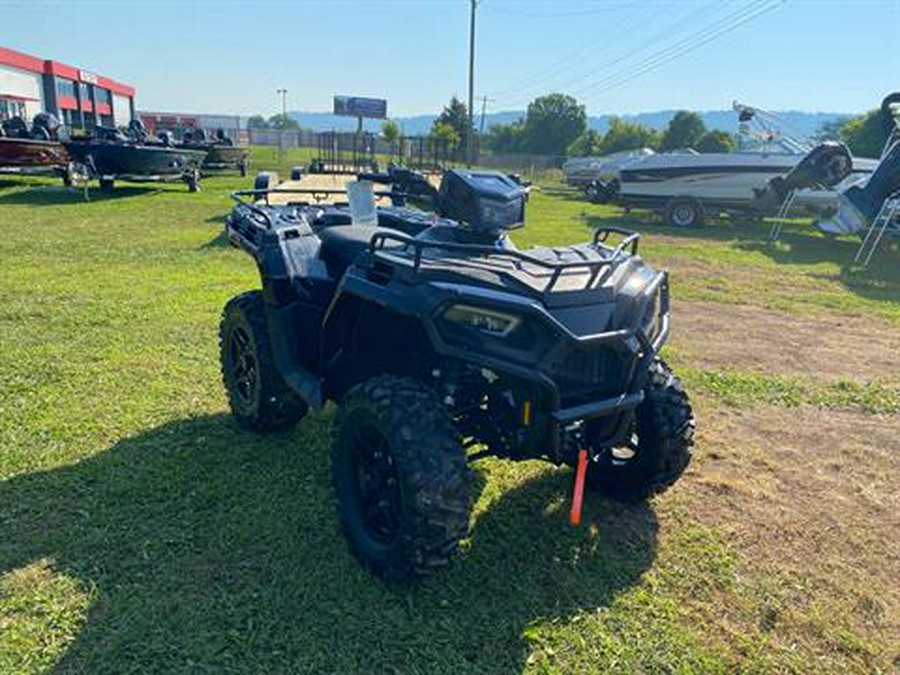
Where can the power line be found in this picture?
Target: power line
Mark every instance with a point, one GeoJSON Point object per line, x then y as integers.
{"type": "Point", "coordinates": [670, 54]}
{"type": "Point", "coordinates": [484, 102]}
{"type": "Point", "coordinates": [628, 59]}
{"type": "Point", "coordinates": [718, 24]}
{"type": "Point", "coordinates": [556, 14]}
{"type": "Point", "coordinates": [552, 70]}
{"type": "Point", "coordinates": [668, 30]}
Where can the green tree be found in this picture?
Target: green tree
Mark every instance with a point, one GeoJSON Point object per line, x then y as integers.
{"type": "Point", "coordinates": [715, 141]}
{"type": "Point", "coordinates": [444, 133]}
{"type": "Point", "coordinates": [552, 123]}
{"type": "Point", "coordinates": [865, 135]}
{"type": "Point", "coordinates": [589, 143]}
{"type": "Point", "coordinates": [444, 141]}
{"type": "Point", "coordinates": [283, 122]}
{"type": "Point", "coordinates": [831, 130]}
{"type": "Point", "coordinates": [455, 115]}
{"type": "Point", "coordinates": [390, 132]}
{"type": "Point", "coordinates": [506, 137]}
{"type": "Point", "coordinates": [685, 130]}
{"type": "Point", "coordinates": [257, 122]}
{"type": "Point", "coordinates": [625, 135]}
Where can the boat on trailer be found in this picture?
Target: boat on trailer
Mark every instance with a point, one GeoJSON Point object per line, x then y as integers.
{"type": "Point", "coordinates": [110, 155]}
{"type": "Point", "coordinates": [221, 152]}
{"type": "Point", "coordinates": [687, 185]}
{"type": "Point", "coordinates": [33, 150]}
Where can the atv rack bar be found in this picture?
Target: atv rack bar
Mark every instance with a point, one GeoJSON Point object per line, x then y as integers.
{"type": "Point", "coordinates": [236, 196]}
{"type": "Point", "coordinates": [595, 267]}
{"type": "Point", "coordinates": [601, 234]}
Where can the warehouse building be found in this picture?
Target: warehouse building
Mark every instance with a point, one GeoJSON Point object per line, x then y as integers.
{"type": "Point", "coordinates": [178, 123]}
{"type": "Point", "coordinates": [79, 98]}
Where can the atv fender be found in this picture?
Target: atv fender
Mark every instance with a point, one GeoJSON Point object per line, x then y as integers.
{"type": "Point", "coordinates": [306, 385]}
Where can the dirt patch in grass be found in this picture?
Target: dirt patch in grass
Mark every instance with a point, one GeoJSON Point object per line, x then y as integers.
{"type": "Point", "coordinates": [810, 499]}
{"type": "Point", "coordinates": [716, 335]}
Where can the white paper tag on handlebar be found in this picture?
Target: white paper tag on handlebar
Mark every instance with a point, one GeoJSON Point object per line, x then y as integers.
{"type": "Point", "coordinates": [361, 195]}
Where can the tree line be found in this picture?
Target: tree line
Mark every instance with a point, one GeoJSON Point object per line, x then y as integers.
{"type": "Point", "coordinates": [278, 122]}
{"type": "Point", "coordinates": [557, 124]}
{"type": "Point", "coordinates": [865, 134]}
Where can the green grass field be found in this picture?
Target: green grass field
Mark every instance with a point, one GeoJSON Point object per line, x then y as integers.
{"type": "Point", "coordinates": [142, 531]}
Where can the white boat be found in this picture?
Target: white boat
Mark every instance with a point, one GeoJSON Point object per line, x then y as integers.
{"type": "Point", "coordinates": [724, 181]}
{"type": "Point", "coordinates": [585, 170]}
{"type": "Point", "coordinates": [688, 185]}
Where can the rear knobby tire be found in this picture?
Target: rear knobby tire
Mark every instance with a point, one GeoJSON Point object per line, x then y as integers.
{"type": "Point", "coordinates": [664, 434]}
{"type": "Point", "coordinates": [400, 476]}
{"type": "Point", "coordinates": [257, 394]}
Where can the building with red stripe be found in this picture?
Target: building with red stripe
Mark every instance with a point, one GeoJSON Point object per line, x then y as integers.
{"type": "Point", "coordinates": [79, 98]}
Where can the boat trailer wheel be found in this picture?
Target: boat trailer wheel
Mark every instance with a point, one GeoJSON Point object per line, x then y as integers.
{"type": "Point", "coordinates": [684, 213]}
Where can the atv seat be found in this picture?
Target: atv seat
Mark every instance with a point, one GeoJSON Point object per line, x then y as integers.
{"type": "Point", "coordinates": [341, 244]}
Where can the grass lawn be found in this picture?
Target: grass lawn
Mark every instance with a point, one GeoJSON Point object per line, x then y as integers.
{"type": "Point", "coordinates": [142, 531]}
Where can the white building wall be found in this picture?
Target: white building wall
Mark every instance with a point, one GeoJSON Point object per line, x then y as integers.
{"type": "Point", "coordinates": [22, 83]}
{"type": "Point", "coordinates": [213, 122]}
{"type": "Point", "coordinates": [121, 110]}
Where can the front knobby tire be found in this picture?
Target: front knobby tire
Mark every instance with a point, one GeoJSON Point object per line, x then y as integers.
{"type": "Point", "coordinates": [660, 447]}
{"type": "Point", "coordinates": [257, 394]}
{"type": "Point", "coordinates": [401, 478]}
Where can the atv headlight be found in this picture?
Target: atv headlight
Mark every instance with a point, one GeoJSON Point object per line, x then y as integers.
{"type": "Point", "coordinates": [497, 324]}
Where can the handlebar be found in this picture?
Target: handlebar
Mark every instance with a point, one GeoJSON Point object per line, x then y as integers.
{"type": "Point", "coordinates": [630, 238]}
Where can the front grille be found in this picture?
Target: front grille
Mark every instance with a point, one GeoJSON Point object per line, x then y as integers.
{"type": "Point", "coordinates": [595, 370]}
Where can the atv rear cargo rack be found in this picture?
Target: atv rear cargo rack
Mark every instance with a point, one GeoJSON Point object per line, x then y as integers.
{"type": "Point", "coordinates": [265, 192]}
{"type": "Point", "coordinates": [595, 267]}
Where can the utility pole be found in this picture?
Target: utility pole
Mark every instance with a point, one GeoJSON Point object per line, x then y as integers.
{"type": "Point", "coordinates": [283, 93]}
{"type": "Point", "coordinates": [484, 102]}
{"type": "Point", "coordinates": [469, 145]}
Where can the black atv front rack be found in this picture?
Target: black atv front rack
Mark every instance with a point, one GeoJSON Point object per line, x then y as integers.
{"type": "Point", "coordinates": [595, 267]}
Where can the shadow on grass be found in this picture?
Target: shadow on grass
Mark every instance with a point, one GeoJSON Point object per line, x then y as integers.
{"type": "Point", "coordinates": [572, 194]}
{"type": "Point", "coordinates": [211, 549]}
{"type": "Point", "coordinates": [798, 245]}
{"type": "Point", "coordinates": [54, 195]}
{"type": "Point", "coordinates": [221, 240]}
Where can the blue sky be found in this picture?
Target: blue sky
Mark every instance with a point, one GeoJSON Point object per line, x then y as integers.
{"type": "Point", "coordinates": [618, 56]}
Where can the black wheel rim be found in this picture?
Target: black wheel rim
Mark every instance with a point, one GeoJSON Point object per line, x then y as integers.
{"type": "Point", "coordinates": [625, 453]}
{"type": "Point", "coordinates": [244, 370]}
{"type": "Point", "coordinates": [620, 457]}
{"type": "Point", "coordinates": [375, 481]}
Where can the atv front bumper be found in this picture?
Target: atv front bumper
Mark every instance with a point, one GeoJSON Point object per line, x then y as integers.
{"type": "Point", "coordinates": [567, 433]}
{"type": "Point", "coordinates": [584, 389]}
{"type": "Point", "coordinates": [562, 378]}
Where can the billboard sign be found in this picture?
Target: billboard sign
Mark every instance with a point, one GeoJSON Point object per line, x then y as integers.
{"type": "Point", "coordinates": [358, 106]}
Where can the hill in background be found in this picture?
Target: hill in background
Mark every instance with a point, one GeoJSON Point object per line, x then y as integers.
{"type": "Point", "coordinates": [805, 123]}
